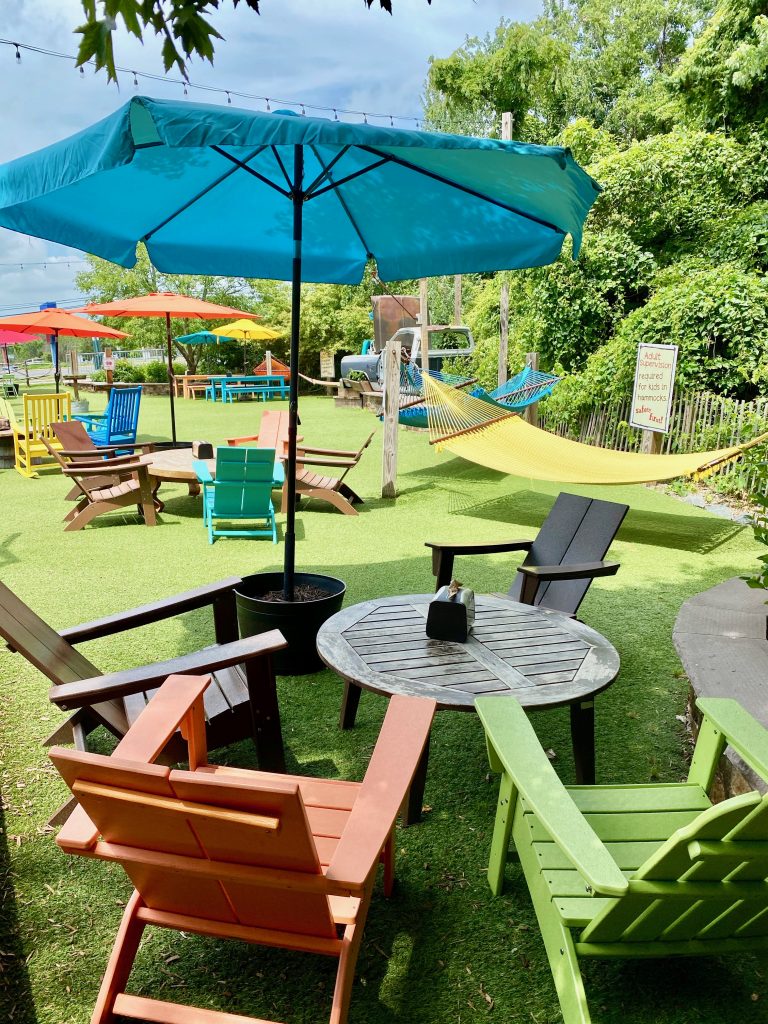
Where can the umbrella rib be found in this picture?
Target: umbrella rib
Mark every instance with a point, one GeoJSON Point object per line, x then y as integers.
{"type": "Point", "coordinates": [244, 167]}
{"type": "Point", "coordinates": [324, 173]}
{"type": "Point", "coordinates": [281, 165]}
{"type": "Point", "coordinates": [463, 188]}
{"type": "Point", "coordinates": [194, 199]}
{"type": "Point", "coordinates": [344, 207]}
{"type": "Point", "coordinates": [343, 181]}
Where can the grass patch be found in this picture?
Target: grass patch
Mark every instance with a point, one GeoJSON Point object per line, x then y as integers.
{"type": "Point", "coordinates": [442, 944]}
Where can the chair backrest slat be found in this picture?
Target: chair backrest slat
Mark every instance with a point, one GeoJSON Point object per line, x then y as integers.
{"type": "Point", "coordinates": [124, 410]}
{"type": "Point", "coordinates": [721, 889]}
{"type": "Point", "coordinates": [40, 412]}
{"type": "Point", "coordinates": [41, 645]}
{"type": "Point", "coordinates": [73, 436]}
{"type": "Point", "coordinates": [577, 530]}
{"type": "Point", "coordinates": [260, 826]}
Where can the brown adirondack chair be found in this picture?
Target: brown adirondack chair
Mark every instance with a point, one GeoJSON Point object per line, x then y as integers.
{"type": "Point", "coordinates": [106, 489]}
{"type": "Point", "coordinates": [273, 433]}
{"type": "Point", "coordinates": [241, 701]}
{"type": "Point", "coordinates": [77, 447]}
{"type": "Point", "coordinates": [275, 860]}
{"type": "Point", "coordinates": [560, 563]}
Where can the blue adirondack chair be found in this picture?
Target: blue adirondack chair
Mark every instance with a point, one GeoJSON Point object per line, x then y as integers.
{"type": "Point", "coordinates": [242, 490]}
{"type": "Point", "coordinates": [118, 423]}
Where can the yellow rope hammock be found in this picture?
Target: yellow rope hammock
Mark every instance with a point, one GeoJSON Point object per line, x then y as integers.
{"type": "Point", "coordinates": [501, 440]}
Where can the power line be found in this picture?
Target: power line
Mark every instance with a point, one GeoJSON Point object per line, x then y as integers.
{"type": "Point", "coordinates": [53, 262]}
{"type": "Point", "coordinates": [448, 124]}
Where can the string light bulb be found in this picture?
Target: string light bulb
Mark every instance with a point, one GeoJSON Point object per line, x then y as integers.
{"type": "Point", "coordinates": [269, 109]}
{"type": "Point", "coordinates": [18, 53]}
{"type": "Point", "coordinates": [135, 80]}
{"type": "Point", "coordinates": [229, 98]}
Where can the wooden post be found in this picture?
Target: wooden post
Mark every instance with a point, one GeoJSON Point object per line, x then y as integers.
{"type": "Point", "coordinates": [74, 365]}
{"type": "Point", "coordinates": [457, 300]}
{"type": "Point", "coordinates": [651, 442]}
{"type": "Point", "coordinates": [424, 320]}
{"type": "Point", "coordinates": [506, 134]}
{"type": "Point", "coordinates": [391, 412]}
{"type": "Point", "coordinates": [532, 412]}
{"type": "Point", "coordinates": [269, 363]}
{"type": "Point", "coordinates": [108, 357]}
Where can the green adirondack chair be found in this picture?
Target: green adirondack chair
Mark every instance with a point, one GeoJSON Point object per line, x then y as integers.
{"type": "Point", "coordinates": [632, 871]}
{"type": "Point", "coordinates": [242, 490]}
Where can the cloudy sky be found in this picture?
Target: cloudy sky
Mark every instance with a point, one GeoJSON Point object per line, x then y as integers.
{"type": "Point", "coordinates": [332, 53]}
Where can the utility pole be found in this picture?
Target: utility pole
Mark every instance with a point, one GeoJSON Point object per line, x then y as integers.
{"type": "Point", "coordinates": [506, 134]}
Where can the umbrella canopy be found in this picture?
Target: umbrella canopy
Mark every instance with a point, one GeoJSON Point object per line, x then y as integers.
{"type": "Point", "coordinates": [244, 330]}
{"type": "Point", "coordinates": [202, 338]}
{"type": "Point", "coordinates": [168, 305]}
{"type": "Point", "coordinates": [12, 338]}
{"type": "Point", "coordinates": [54, 322]}
{"type": "Point", "coordinates": [217, 190]}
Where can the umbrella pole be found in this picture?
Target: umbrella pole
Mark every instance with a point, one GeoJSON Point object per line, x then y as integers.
{"type": "Point", "coordinates": [56, 365]}
{"type": "Point", "coordinates": [170, 375]}
{"type": "Point", "coordinates": [7, 360]}
{"type": "Point", "coordinates": [289, 562]}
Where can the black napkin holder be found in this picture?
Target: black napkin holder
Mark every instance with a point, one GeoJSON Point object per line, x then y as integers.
{"type": "Point", "coordinates": [202, 450]}
{"type": "Point", "coordinates": [451, 615]}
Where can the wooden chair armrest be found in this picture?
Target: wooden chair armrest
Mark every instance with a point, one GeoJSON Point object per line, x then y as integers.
{"type": "Point", "coordinates": [336, 452]}
{"type": "Point", "coordinates": [346, 463]}
{"type": "Point", "coordinates": [490, 547]}
{"type": "Point", "coordinates": [233, 442]}
{"type": "Point", "coordinates": [179, 697]}
{"type": "Point", "coordinates": [727, 723]}
{"type": "Point", "coordinates": [514, 749]}
{"type": "Point", "coordinates": [108, 451]}
{"type": "Point", "coordinates": [444, 552]}
{"type": "Point", "coordinates": [390, 772]}
{"type": "Point", "coordinates": [156, 611]}
{"type": "Point", "coordinates": [83, 692]}
{"type": "Point", "coordinates": [76, 469]}
{"type": "Point", "coordinates": [575, 571]}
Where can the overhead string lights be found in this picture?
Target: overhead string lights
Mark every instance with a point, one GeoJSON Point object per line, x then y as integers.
{"type": "Point", "coordinates": [403, 120]}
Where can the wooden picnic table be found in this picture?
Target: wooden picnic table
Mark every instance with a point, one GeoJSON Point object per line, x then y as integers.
{"type": "Point", "coordinates": [543, 658]}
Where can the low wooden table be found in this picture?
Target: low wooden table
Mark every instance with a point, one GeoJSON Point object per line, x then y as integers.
{"type": "Point", "coordinates": [175, 465]}
{"type": "Point", "coordinates": [543, 658]}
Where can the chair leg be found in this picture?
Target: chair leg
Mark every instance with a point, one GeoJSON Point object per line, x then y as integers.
{"type": "Point", "coordinates": [353, 936]}
{"type": "Point", "coordinates": [265, 714]}
{"type": "Point", "coordinates": [502, 829]}
{"type": "Point", "coordinates": [85, 515]}
{"type": "Point", "coordinates": [120, 962]}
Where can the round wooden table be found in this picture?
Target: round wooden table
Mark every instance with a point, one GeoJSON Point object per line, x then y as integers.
{"type": "Point", "coordinates": [175, 465]}
{"type": "Point", "coordinates": [543, 658]}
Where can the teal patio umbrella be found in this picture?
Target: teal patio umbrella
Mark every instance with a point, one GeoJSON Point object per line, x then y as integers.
{"type": "Point", "coordinates": [223, 191]}
{"type": "Point", "coordinates": [201, 338]}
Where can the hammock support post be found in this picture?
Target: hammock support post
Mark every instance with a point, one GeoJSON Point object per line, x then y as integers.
{"type": "Point", "coordinates": [391, 412]}
{"type": "Point", "coordinates": [531, 413]}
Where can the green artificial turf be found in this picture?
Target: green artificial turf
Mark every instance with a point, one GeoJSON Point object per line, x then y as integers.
{"type": "Point", "coordinates": [442, 949]}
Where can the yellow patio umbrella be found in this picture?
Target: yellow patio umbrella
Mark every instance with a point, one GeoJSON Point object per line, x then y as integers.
{"type": "Point", "coordinates": [245, 331]}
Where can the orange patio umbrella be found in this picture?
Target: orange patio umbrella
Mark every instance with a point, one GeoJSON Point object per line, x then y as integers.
{"type": "Point", "coordinates": [53, 322]}
{"type": "Point", "coordinates": [171, 306]}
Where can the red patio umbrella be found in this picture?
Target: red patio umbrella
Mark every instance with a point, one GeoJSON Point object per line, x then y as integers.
{"type": "Point", "coordinates": [54, 322]}
{"type": "Point", "coordinates": [12, 338]}
{"type": "Point", "coordinates": [169, 305]}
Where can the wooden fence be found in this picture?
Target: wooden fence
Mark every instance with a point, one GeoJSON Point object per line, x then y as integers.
{"type": "Point", "coordinates": [699, 422]}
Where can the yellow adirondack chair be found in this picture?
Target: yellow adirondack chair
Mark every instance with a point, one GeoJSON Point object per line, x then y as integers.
{"type": "Point", "coordinates": [39, 412]}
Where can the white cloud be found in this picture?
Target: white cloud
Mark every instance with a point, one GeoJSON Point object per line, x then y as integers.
{"type": "Point", "coordinates": [334, 53]}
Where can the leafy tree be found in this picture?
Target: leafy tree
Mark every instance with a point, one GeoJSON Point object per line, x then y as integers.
{"type": "Point", "coordinates": [721, 79]}
{"type": "Point", "coordinates": [181, 24]}
{"type": "Point", "coordinates": [104, 282]}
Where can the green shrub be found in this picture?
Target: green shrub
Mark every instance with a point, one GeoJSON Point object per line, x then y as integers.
{"type": "Point", "coordinates": [156, 372]}
{"type": "Point", "coordinates": [98, 376]}
{"type": "Point", "coordinates": [127, 373]}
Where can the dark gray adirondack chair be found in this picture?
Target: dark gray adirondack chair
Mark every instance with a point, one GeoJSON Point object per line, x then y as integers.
{"type": "Point", "coordinates": [563, 559]}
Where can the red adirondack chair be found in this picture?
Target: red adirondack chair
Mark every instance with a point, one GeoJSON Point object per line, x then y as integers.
{"type": "Point", "coordinates": [276, 860]}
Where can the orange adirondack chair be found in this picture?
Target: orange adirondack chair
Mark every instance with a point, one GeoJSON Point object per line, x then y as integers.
{"type": "Point", "coordinates": [276, 860]}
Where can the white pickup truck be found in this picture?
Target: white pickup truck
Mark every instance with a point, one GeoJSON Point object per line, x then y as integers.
{"type": "Point", "coordinates": [444, 343]}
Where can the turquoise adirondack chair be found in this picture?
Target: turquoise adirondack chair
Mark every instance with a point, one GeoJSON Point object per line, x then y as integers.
{"type": "Point", "coordinates": [632, 871]}
{"type": "Point", "coordinates": [119, 421]}
{"type": "Point", "coordinates": [242, 490]}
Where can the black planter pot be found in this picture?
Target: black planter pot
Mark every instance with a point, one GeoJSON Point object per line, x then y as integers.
{"type": "Point", "coordinates": [298, 621]}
